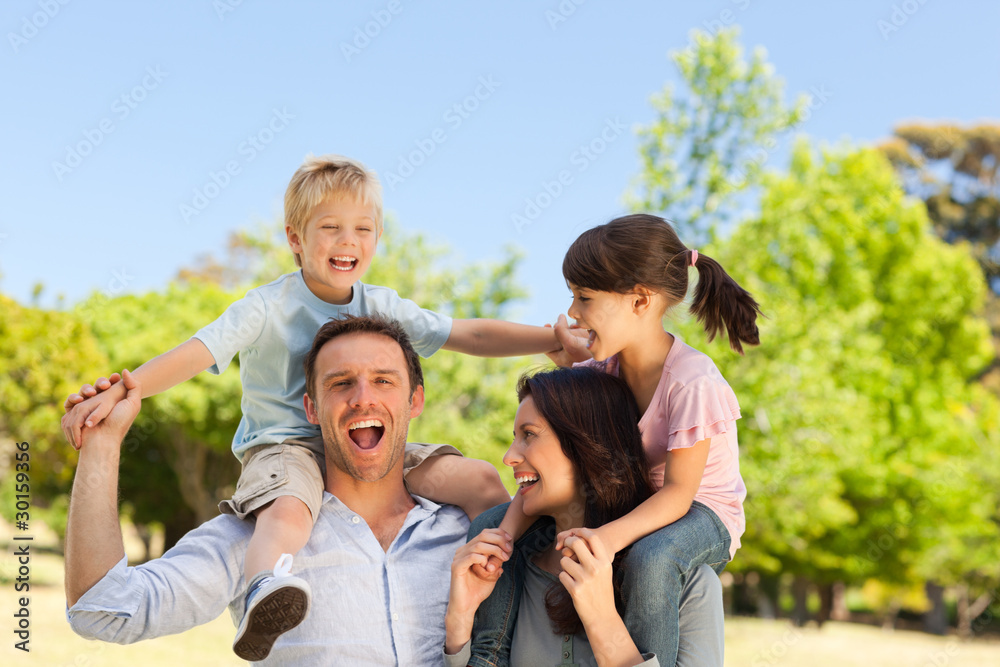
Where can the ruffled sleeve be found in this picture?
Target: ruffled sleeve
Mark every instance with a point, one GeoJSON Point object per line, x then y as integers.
{"type": "Point", "coordinates": [701, 409]}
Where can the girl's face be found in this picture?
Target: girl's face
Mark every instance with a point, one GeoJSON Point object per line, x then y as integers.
{"type": "Point", "coordinates": [607, 316]}
{"type": "Point", "coordinates": [547, 478]}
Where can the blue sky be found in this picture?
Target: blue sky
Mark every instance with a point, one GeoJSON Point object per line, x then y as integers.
{"type": "Point", "coordinates": [161, 96]}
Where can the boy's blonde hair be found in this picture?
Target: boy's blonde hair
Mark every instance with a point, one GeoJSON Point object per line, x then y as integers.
{"type": "Point", "coordinates": [329, 176]}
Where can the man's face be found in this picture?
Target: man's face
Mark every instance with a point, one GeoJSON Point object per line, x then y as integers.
{"type": "Point", "coordinates": [363, 404]}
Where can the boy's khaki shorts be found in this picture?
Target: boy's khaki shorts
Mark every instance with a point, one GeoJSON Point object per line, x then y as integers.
{"type": "Point", "coordinates": [297, 468]}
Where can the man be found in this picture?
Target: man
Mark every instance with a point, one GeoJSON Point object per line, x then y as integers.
{"type": "Point", "coordinates": [378, 559]}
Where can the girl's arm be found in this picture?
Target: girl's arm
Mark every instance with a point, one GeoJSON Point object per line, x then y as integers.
{"type": "Point", "coordinates": [681, 479]}
{"type": "Point", "coordinates": [93, 404]}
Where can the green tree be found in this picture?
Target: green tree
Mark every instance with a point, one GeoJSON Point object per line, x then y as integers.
{"type": "Point", "coordinates": [710, 141]}
{"type": "Point", "coordinates": [953, 169]}
{"type": "Point", "coordinates": [41, 352]}
{"type": "Point", "coordinates": [856, 394]}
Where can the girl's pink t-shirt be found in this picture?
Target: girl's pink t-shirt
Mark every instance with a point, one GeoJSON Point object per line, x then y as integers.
{"type": "Point", "coordinates": [693, 402]}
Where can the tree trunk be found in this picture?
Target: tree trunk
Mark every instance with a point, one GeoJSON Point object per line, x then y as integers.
{"type": "Point", "coordinates": [840, 612]}
{"type": "Point", "coordinates": [800, 592]}
{"type": "Point", "coordinates": [936, 618]}
{"type": "Point", "coordinates": [968, 612]}
{"type": "Point", "coordinates": [964, 622]}
{"type": "Point", "coordinates": [891, 614]}
{"type": "Point", "coordinates": [825, 604]}
{"type": "Point", "coordinates": [769, 594]}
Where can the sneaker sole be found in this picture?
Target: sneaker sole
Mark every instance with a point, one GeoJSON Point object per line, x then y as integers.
{"type": "Point", "coordinates": [278, 612]}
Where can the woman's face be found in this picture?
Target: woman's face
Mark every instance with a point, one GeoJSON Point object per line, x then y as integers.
{"type": "Point", "coordinates": [546, 477]}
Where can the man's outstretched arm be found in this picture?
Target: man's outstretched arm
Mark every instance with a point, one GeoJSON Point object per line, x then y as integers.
{"type": "Point", "coordinates": [93, 534]}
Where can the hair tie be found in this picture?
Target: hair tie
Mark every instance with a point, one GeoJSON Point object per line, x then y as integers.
{"type": "Point", "coordinates": [694, 257]}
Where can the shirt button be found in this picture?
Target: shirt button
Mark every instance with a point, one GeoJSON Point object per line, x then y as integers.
{"type": "Point", "coordinates": [565, 638]}
{"type": "Point", "coordinates": [565, 655]}
{"type": "Point", "coordinates": [355, 519]}
{"type": "Point", "coordinates": [395, 616]}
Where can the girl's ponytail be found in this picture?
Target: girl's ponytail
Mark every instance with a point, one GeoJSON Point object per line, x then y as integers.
{"type": "Point", "coordinates": [720, 302]}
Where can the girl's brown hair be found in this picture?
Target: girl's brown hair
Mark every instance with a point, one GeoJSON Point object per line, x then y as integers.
{"type": "Point", "coordinates": [596, 419]}
{"type": "Point", "coordinates": [642, 249]}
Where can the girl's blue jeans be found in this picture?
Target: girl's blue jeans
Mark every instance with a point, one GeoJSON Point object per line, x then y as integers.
{"type": "Point", "coordinates": [653, 579]}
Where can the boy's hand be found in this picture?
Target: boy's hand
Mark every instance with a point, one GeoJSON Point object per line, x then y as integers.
{"type": "Point", "coordinates": [573, 340]}
{"type": "Point", "coordinates": [116, 422]}
{"type": "Point", "coordinates": [90, 406]}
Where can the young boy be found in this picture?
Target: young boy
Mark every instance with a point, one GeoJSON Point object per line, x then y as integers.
{"type": "Point", "coordinates": [333, 220]}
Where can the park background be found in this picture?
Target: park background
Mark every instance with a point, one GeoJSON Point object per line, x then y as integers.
{"type": "Point", "coordinates": [839, 160]}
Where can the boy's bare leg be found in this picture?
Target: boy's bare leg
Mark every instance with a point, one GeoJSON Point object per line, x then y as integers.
{"type": "Point", "coordinates": [471, 484]}
{"type": "Point", "coordinates": [283, 527]}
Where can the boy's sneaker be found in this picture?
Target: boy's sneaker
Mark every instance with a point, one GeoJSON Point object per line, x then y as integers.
{"type": "Point", "coordinates": [275, 604]}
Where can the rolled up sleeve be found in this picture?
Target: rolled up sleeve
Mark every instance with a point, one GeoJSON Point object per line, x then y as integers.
{"type": "Point", "coordinates": [189, 585]}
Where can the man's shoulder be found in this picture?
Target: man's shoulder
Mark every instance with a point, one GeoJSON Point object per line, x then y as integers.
{"type": "Point", "coordinates": [444, 519]}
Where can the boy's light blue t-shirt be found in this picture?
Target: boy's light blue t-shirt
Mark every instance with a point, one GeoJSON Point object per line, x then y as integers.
{"type": "Point", "coordinates": [272, 328]}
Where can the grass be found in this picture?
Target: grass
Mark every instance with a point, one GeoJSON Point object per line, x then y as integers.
{"type": "Point", "coordinates": [749, 642]}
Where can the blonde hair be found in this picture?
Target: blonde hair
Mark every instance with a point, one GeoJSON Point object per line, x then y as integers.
{"type": "Point", "coordinates": [329, 176]}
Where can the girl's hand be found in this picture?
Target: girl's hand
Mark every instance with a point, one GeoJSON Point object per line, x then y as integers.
{"type": "Point", "coordinates": [602, 533]}
{"type": "Point", "coordinates": [473, 577]}
{"type": "Point", "coordinates": [587, 576]}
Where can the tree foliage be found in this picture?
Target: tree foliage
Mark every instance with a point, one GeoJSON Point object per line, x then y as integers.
{"type": "Point", "coordinates": [868, 451]}
{"type": "Point", "coordinates": [711, 139]}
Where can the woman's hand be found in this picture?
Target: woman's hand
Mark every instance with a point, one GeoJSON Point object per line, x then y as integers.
{"type": "Point", "coordinates": [473, 577]}
{"type": "Point", "coordinates": [588, 578]}
{"type": "Point", "coordinates": [587, 575]}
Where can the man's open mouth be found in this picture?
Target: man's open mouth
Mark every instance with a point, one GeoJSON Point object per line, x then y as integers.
{"type": "Point", "coordinates": [366, 434]}
{"type": "Point", "coordinates": [343, 262]}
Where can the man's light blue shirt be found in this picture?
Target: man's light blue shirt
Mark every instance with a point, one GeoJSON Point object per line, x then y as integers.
{"type": "Point", "coordinates": [369, 606]}
{"type": "Point", "coordinates": [272, 329]}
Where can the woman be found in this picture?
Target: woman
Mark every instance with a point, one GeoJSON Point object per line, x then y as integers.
{"type": "Point", "coordinates": [578, 459]}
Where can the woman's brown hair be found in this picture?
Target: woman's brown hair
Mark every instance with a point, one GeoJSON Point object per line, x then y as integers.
{"type": "Point", "coordinates": [642, 249]}
{"type": "Point", "coordinates": [596, 419]}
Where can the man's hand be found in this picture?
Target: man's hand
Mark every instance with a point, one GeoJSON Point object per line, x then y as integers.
{"type": "Point", "coordinates": [90, 406]}
{"type": "Point", "coordinates": [573, 340]}
{"type": "Point", "coordinates": [119, 417]}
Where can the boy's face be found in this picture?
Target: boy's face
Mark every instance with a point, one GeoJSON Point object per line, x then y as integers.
{"type": "Point", "coordinates": [336, 247]}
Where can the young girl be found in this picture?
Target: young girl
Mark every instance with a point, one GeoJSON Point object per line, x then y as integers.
{"type": "Point", "coordinates": [624, 276]}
